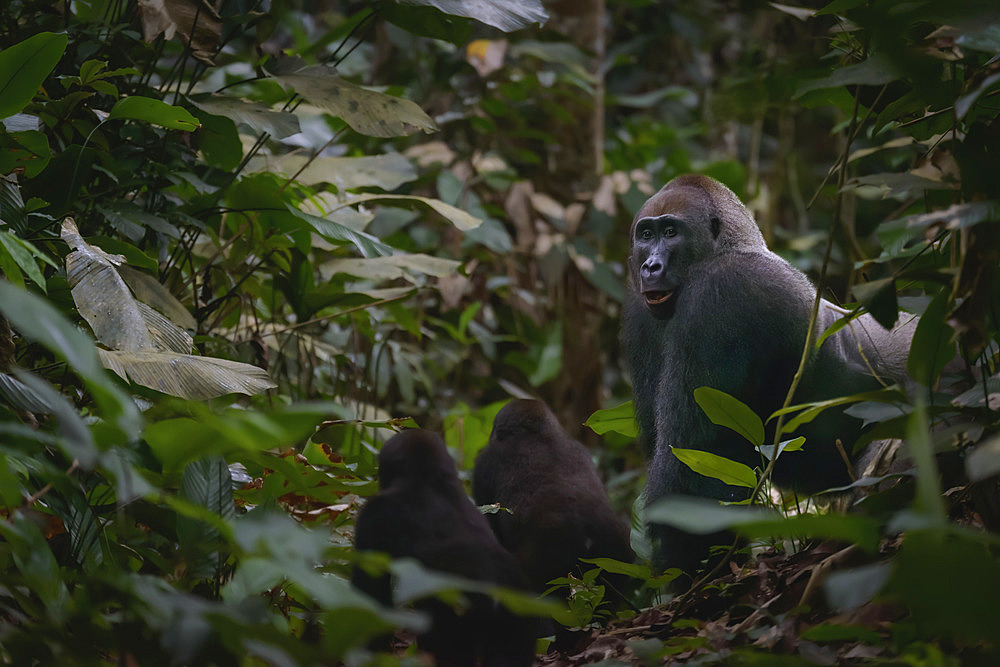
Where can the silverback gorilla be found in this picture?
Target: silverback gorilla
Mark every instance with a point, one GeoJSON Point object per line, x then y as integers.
{"type": "Point", "coordinates": [422, 512]}
{"type": "Point", "coordinates": [559, 510]}
{"type": "Point", "coordinates": [709, 305]}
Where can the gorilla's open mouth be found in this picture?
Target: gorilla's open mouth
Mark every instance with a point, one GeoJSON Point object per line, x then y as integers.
{"type": "Point", "coordinates": [656, 297]}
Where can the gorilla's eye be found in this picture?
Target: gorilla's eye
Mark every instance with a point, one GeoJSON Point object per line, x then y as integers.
{"type": "Point", "coordinates": [670, 231]}
{"type": "Point", "coordinates": [646, 234]}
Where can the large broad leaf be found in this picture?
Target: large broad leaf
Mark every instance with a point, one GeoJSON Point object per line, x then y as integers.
{"type": "Point", "coordinates": [619, 419]}
{"type": "Point", "coordinates": [333, 231]}
{"type": "Point", "coordinates": [23, 68]}
{"type": "Point", "coordinates": [106, 302]}
{"type": "Point", "coordinates": [456, 216]}
{"type": "Point", "coordinates": [387, 171]}
{"type": "Point", "coordinates": [366, 111]}
{"type": "Point", "coordinates": [715, 466]}
{"type": "Point", "coordinates": [875, 71]}
{"type": "Point", "coordinates": [23, 255]}
{"type": "Point", "coordinates": [187, 375]}
{"type": "Point", "coordinates": [955, 216]}
{"type": "Point", "coordinates": [933, 342]}
{"type": "Point", "coordinates": [810, 411]}
{"type": "Point", "coordinates": [255, 115]}
{"type": "Point", "coordinates": [207, 484]}
{"type": "Point", "coordinates": [703, 516]}
{"type": "Point", "coordinates": [75, 437]}
{"type": "Point", "coordinates": [37, 320]}
{"type": "Point", "coordinates": [391, 268]}
{"type": "Point", "coordinates": [507, 15]}
{"type": "Point", "coordinates": [146, 347]}
{"type": "Point", "coordinates": [154, 111]}
{"type": "Point", "coordinates": [149, 290]}
{"type": "Point", "coordinates": [879, 297]}
{"type": "Point", "coordinates": [724, 410]}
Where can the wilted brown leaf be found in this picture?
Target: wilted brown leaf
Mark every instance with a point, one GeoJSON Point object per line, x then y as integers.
{"type": "Point", "coordinates": [194, 22]}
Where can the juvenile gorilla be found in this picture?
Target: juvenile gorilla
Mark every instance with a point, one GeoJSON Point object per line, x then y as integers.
{"type": "Point", "coordinates": [559, 510]}
{"type": "Point", "coordinates": [709, 305]}
{"type": "Point", "coordinates": [422, 512]}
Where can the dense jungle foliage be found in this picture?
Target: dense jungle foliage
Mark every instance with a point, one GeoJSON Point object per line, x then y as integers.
{"type": "Point", "coordinates": [243, 242]}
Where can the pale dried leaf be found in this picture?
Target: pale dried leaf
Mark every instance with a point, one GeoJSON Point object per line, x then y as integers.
{"type": "Point", "coordinates": [255, 115]}
{"type": "Point", "coordinates": [507, 15]}
{"type": "Point", "coordinates": [366, 111]}
{"type": "Point", "coordinates": [101, 296]}
{"type": "Point", "coordinates": [387, 171]}
{"type": "Point", "coordinates": [150, 291]}
{"type": "Point", "coordinates": [390, 268]}
{"type": "Point", "coordinates": [456, 216]}
{"type": "Point", "coordinates": [187, 375]}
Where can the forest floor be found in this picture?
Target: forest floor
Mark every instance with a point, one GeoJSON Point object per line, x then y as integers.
{"type": "Point", "coordinates": [773, 607]}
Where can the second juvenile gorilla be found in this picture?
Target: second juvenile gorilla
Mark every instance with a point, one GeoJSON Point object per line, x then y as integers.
{"type": "Point", "coordinates": [559, 510]}
{"type": "Point", "coordinates": [422, 512]}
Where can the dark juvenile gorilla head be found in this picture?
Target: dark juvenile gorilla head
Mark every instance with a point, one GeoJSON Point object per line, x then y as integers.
{"type": "Point", "coordinates": [690, 220]}
{"type": "Point", "coordinates": [422, 512]}
{"type": "Point", "coordinates": [559, 510]}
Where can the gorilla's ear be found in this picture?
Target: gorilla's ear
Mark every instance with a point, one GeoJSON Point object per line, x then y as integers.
{"type": "Point", "coordinates": [716, 226]}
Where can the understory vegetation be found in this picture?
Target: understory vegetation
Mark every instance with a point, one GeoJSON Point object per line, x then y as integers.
{"type": "Point", "coordinates": [242, 243]}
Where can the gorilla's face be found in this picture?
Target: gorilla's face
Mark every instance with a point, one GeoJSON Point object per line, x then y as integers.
{"type": "Point", "coordinates": [671, 234]}
{"type": "Point", "coordinates": [656, 246]}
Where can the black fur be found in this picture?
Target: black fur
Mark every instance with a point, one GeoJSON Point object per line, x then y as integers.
{"type": "Point", "coordinates": [560, 510]}
{"type": "Point", "coordinates": [736, 320]}
{"type": "Point", "coordinates": [422, 512]}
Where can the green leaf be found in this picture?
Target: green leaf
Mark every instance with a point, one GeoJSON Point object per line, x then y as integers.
{"type": "Point", "coordinates": [918, 437]}
{"type": "Point", "coordinates": [849, 589]}
{"type": "Point", "coordinates": [724, 410]}
{"type": "Point", "coordinates": [84, 531]}
{"type": "Point", "coordinates": [701, 516]}
{"type": "Point", "coordinates": [879, 297]}
{"type": "Point", "coordinates": [830, 632]}
{"type": "Point", "coordinates": [875, 71]}
{"type": "Point", "coordinates": [23, 253]}
{"type": "Point", "coordinates": [206, 482]}
{"type": "Point", "coordinates": [718, 467]}
{"type": "Point", "coordinates": [23, 68]}
{"type": "Point", "coordinates": [810, 411]}
{"type": "Point", "coordinates": [219, 141]}
{"type": "Point", "coordinates": [37, 320]}
{"type": "Point", "coordinates": [28, 150]}
{"type": "Point", "coordinates": [367, 245]}
{"type": "Point", "coordinates": [549, 359]}
{"type": "Point", "coordinates": [75, 438]}
{"type": "Point", "coordinates": [154, 111]}
{"type": "Point", "coordinates": [39, 570]}
{"type": "Point", "coordinates": [933, 343]}
{"type": "Point", "coordinates": [254, 115]}
{"type": "Point", "coordinates": [793, 445]}
{"type": "Point", "coordinates": [619, 419]}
